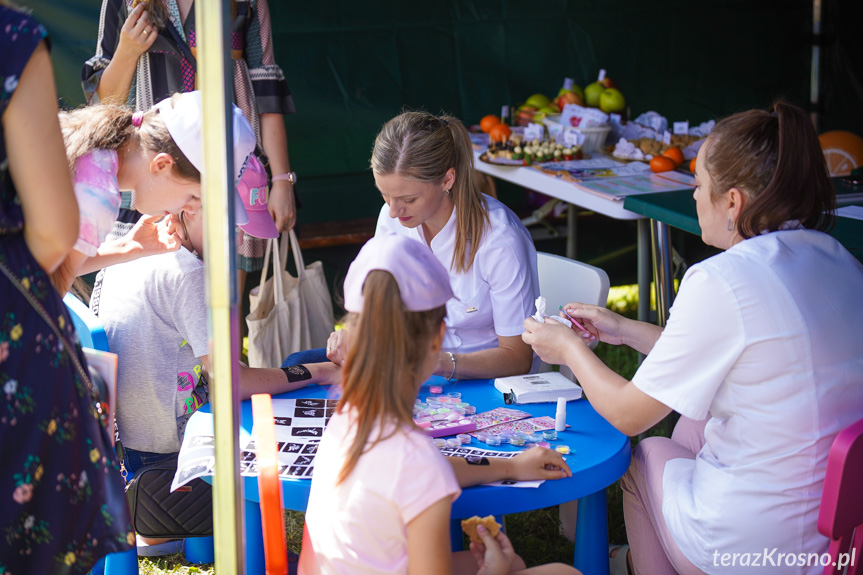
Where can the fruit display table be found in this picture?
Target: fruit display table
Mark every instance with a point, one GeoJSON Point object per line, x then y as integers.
{"type": "Point", "coordinates": [577, 195]}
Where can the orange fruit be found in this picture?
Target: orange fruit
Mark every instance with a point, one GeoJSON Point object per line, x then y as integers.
{"type": "Point", "coordinates": [488, 122]}
{"type": "Point", "coordinates": [499, 133]}
{"type": "Point", "coordinates": [843, 151]}
{"type": "Point", "coordinates": [675, 154]}
{"type": "Point", "coordinates": [692, 166]}
{"type": "Point", "coordinates": [662, 164]}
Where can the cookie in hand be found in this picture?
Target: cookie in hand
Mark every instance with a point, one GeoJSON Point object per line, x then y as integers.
{"type": "Point", "coordinates": [469, 526]}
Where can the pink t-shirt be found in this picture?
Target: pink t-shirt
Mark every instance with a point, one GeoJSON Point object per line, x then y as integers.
{"type": "Point", "coordinates": [98, 196]}
{"type": "Point", "coordinates": [360, 526]}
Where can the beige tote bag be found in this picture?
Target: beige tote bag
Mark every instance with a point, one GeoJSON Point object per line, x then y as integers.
{"type": "Point", "coordinates": [287, 313]}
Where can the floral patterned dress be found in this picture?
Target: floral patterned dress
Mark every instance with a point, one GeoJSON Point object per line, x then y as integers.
{"type": "Point", "coordinates": [62, 503]}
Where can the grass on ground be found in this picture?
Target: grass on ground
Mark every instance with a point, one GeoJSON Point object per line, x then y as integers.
{"type": "Point", "coordinates": [535, 534]}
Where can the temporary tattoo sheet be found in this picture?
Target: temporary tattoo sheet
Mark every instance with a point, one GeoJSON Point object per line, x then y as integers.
{"type": "Point", "coordinates": [300, 424]}
{"type": "Point", "coordinates": [522, 425]}
{"type": "Point", "coordinates": [497, 416]}
{"type": "Point", "coordinates": [467, 451]}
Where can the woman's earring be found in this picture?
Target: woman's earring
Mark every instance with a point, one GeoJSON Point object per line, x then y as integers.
{"type": "Point", "coordinates": [731, 225]}
{"type": "Point", "coordinates": [446, 192]}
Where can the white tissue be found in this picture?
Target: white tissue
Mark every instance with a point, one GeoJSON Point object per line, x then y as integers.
{"type": "Point", "coordinates": [540, 309]}
{"type": "Point", "coordinates": [540, 314]}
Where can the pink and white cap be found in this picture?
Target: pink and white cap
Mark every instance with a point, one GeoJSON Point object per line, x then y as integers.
{"type": "Point", "coordinates": [252, 190]}
{"type": "Point", "coordinates": [422, 280]}
{"type": "Point", "coordinates": [184, 120]}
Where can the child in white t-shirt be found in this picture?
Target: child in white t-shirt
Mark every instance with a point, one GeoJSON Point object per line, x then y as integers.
{"type": "Point", "coordinates": [381, 497]}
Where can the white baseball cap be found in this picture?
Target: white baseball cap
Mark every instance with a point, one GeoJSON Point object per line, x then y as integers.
{"type": "Point", "coordinates": [184, 120]}
{"type": "Point", "coordinates": [422, 279]}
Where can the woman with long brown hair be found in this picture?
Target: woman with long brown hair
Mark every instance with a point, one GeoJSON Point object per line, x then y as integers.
{"type": "Point", "coordinates": [382, 492]}
{"type": "Point", "coordinates": [761, 357]}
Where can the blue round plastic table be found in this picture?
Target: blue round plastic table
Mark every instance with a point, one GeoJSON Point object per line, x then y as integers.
{"type": "Point", "coordinates": [600, 455]}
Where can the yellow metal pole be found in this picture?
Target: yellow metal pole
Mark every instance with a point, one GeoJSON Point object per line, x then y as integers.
{"type": "Point", "coordinates": [216, 186]}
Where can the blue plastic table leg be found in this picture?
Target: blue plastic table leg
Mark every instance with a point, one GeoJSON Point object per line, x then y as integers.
{"type": "Point", "coordinates": [254, 534]}
{"type": "Point", "coordinates": [98, 568]}
{"type": "Point", "coordinates": [456, 535]}
{"type": "Point", "coordinates": [125, 563]}
{"type": "Point", "coordinates": [199, 550]}
{"type": "Point", "coordinates": [591, 535]}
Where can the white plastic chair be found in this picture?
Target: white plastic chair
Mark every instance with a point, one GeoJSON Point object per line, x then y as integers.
{"type": "Point", "coordinates": [562, 281]}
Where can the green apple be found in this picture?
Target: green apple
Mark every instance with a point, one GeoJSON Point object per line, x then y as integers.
{"type": "Point", "coordinates": [537, 100]}
{"type": "Point", "coordinates": [591, 94]}
{"type": "Point", "coordinates": [611, 100]}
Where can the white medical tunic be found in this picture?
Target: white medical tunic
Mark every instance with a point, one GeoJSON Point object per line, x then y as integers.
{"type": "Point", "coordinates": [767, 339]}
{"type": "Point", "coordinates": [494, 297]}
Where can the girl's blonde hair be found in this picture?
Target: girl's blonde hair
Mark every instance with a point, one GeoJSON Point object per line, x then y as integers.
{"type": "Point", "coordinates": [423, 147]}
{"type": "Point", "coordinates": [109, 127]}
{"type": "Point", "coordinates": [388, 348]}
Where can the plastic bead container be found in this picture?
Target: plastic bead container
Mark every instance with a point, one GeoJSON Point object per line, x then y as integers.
{"type": "Point", "coordinates": [549, 435]}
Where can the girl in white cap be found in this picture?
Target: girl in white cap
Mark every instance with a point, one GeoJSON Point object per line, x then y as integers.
{"type": "Point", "coordinates": [157, 155]}
{"type": "Point", "coordinates": [381, 494]}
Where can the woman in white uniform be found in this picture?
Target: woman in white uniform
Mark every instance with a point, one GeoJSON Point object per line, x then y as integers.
{"type": "Point", "coordinates": [423, 167]}
{"type": "Point", "coordinates": [764, 344]}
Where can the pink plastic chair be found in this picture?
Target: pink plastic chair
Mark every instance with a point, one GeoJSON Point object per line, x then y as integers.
{"type": "Point", "coordinates": [842, 501]}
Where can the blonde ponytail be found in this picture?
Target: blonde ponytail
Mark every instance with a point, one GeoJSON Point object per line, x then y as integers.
{"type": "Point", "coordinates": [388, 347]}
